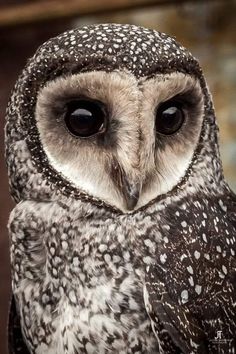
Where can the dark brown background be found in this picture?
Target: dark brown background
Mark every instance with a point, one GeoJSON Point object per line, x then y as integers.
{"type": "Point", "coordinates": [206, 27]}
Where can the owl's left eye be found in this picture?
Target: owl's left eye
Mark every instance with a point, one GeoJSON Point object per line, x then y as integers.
{"type": "Point", "coordinates": [169, 118]}
{"type": "Point", "coordinates": [85, 118]}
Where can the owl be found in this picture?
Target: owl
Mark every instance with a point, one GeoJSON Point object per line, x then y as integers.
{"type": "Point", "coordinates": [123, 233]}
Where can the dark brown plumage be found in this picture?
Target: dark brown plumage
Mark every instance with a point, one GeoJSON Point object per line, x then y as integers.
{"type": "Point", "coordinates": [191, 289]}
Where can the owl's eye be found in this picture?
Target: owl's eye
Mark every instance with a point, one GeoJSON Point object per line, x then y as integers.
{"type": "Point", "coordinates": [169, 118]}
{"type": "Point", "coordinates": [85, 118]}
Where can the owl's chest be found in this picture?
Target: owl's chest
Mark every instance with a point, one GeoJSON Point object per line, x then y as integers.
{"type": "Point", "coordinates": [101, 282]}
{"type": "Point", "coordinates": [92, 254]}
{"type": "Point", "coordinates": [90, 294]}
{"type": "Point", "coordinates": [102, 263]}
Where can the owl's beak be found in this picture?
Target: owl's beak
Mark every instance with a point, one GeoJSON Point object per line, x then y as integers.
{"type": "Point", "coordinates": [128, 187]}
{"type": "Point", "coordinates": [130, 192]}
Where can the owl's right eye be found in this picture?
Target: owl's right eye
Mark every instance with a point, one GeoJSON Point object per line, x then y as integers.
{"type": "Point", "coordinates": [85, 118]}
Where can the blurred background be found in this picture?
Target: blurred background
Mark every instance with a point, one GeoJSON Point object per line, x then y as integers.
{"type": "Point", "coordinates": [207, 28]}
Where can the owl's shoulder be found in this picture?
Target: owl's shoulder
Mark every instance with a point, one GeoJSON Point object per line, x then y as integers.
{"type": "Point", "coordinates": [195, 263]}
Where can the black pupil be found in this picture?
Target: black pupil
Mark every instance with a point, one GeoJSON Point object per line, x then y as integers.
{"type": "Point", "coordinates": [169, 118]}
{"type": "Point", "coordinates": [84, 118]}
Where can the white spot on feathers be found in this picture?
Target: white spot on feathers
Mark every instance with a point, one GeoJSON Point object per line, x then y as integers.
{"type": "Point", "coordinates": [184, 296]}
{"type": "Point", "coordinates": [190, 269]}
{"type": "Point", "coordinates": [163, 258]}
{"type": "Point", "coordinates": [198, 289]}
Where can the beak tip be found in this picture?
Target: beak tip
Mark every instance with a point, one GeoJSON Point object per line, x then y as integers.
{"type": "Point", "coordinates": [131, 206]}
{"type": "Point", "coordinates": [128, 186]}
{"type": "Point", "coordinates": [131, 197]}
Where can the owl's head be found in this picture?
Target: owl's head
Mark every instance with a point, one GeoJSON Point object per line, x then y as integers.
{"type": "Point", "coordinates": [115, 114]}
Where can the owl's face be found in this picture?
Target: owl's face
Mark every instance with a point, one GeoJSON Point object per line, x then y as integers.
{"type": "Point", "coordinates": [119, 138]}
